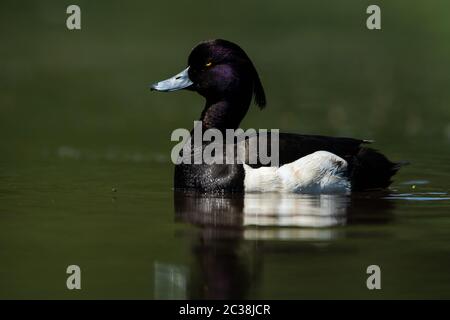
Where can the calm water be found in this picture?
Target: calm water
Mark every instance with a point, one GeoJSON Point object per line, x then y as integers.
{"type": "Point", "coordinates": [134, 238]}
{"type": "Point", "coordinates": [85, 172]}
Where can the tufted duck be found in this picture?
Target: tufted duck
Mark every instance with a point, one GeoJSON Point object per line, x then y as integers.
{"type": "Point", "coordinates": [224, 75]}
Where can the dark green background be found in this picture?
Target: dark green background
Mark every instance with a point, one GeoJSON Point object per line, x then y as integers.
{"type": "Point", "coordinates": [77, 120]}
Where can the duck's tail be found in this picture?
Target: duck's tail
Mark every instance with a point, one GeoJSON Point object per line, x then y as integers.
{"type": "Point", "coordinates": [372, 170]}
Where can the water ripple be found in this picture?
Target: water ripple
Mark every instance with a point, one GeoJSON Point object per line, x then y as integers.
{"type": "Point", "coordinates": [420, 196]}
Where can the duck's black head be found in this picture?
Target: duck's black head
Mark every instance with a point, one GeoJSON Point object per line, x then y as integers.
{"type": "Point", "coordinates": [220, 71]}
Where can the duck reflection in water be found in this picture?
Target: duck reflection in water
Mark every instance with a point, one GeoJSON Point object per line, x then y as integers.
{"type": "Point", "coordinates": [235, 231]}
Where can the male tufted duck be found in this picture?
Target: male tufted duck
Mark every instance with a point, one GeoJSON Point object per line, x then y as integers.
{"type": "Point", "coordinates": [224, 75]}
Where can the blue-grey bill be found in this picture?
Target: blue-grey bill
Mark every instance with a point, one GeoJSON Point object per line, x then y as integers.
{"type": "Point", "coordinates": [177, 82]}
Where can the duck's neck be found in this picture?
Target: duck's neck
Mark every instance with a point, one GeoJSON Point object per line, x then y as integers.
{"type": "Point", "coordinates": [224, 114]}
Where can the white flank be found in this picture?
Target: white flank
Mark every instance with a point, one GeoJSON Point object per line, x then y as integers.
{"type": "Point", "coordinates": [264, 179]}
{"type": "Point", "coordinates": [319, 172]}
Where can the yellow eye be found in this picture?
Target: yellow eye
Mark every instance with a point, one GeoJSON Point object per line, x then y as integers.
{"type": "Point", "coordinates": [209, 64]}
